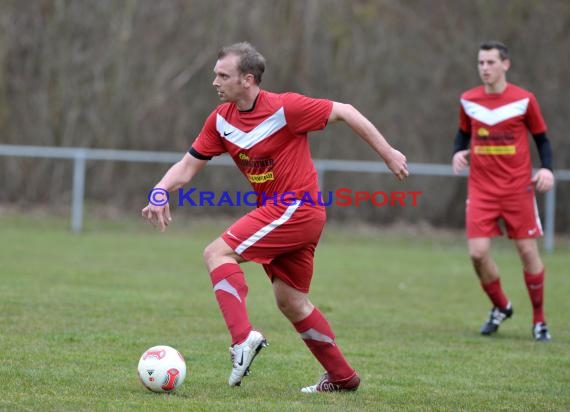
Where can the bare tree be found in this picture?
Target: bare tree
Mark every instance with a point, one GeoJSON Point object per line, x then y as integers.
{"type": "Point", "coordinates": [136, 74]}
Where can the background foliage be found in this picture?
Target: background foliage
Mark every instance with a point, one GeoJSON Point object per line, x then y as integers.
{"type": "Point", "coordinates": [136, 74]}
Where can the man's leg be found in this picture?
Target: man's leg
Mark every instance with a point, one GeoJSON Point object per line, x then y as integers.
{"type": "Point", "coordinates": [488, 273]}
{"type": "Point", "coordinates": [533, 270]}
{"type": "Point", "coordinates": [523, 225]}
{"type": "Point", "coordinates": [231, 289]}
{"type": "Point", "coordinates": [317, 334]}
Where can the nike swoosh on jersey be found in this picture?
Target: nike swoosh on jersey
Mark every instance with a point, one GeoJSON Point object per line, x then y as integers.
{"type": "Point", "coordinates": [492, 117]}
{"type": "Point", "coordinates": [262, 131]}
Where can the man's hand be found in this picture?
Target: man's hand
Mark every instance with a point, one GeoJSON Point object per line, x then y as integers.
{"type": "Point", "coordinates": [158, 216]}
{"type": "Point", "coordinates": [460, 161]}
{"type": "Point", "coordinates": [397, 163]}
{"type": "Point", "coordinates": [543, 180]}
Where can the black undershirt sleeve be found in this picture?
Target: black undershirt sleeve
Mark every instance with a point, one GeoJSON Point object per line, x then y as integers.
{"type": "Point", "coordinates": [544, 150]}
{"type": "Point", "coordinates": [461, 141]}
{"type": "Point", "coordinates": [198, 155]}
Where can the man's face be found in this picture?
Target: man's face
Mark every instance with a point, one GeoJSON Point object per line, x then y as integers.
{"type": "Point", "coordinates": [229, 83]}
{"type": "Point", "coordinates": [491, 68]}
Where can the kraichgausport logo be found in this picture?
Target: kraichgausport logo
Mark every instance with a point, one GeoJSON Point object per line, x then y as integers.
{"type": "Point", "coordinates": [340, 197]}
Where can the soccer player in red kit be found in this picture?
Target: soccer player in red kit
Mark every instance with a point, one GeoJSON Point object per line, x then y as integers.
{"type": "Point", "coordinates": [266, 135]}
{"type": "Point", "coordinates": [495, 119]}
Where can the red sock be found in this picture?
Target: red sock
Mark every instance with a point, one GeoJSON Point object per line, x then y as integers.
{"type": "Point", "coordinates": [535, 287]}
{"type": "Point", "coordinates": [495, 293]}
{"type": "Point", "coordinates": [230, 289]}
{"type": "Point", "coordinates": [319, 337]}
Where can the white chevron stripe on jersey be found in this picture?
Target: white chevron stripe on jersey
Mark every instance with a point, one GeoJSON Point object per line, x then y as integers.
{"type": "Point", "coordinates": [494, 116]}
{"type": "Point", "coordinates": [268, 228]}
{"type": "Point", "coordinates": [261, 132]}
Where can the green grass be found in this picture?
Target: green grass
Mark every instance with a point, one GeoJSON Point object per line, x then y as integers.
{"type": "Point", "coordinates": [77, 311]}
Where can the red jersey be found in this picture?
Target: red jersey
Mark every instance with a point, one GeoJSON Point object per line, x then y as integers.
{"type": "Point", "coordinates": [268, 143]}
{"type": "Point", "coordinates": [498, 123]}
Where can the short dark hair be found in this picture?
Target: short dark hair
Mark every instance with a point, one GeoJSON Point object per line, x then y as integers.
{"type": "Point", "coordinates": [496, 45]}
{"type": "Point", "coordinates": [250, 60]}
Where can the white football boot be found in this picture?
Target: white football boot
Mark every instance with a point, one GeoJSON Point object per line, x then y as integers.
{"type": "Point", "coordinates": [243, 354]}
{"type": "Point", "coordinates": [326, 385]}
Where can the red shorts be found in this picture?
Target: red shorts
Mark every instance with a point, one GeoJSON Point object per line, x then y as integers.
{"type": "Point", "coordinates": [519, 213]}
{"type": "Point", "coordinates": [282, 238]}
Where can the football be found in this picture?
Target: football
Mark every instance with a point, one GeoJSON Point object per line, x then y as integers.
{"type": "Point", "coordinates": [162, 369]}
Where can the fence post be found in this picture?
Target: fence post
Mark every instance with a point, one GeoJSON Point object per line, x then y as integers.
{"type": "Point", "coordinates": [78, 190]}
{"type": "Point", "coordinates": [321, 169]}
{"type": "Point", "coordinates": [549, 206]}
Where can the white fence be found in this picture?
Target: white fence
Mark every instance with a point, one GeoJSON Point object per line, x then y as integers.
{"type": "Point", "coordinates": [81, 155]}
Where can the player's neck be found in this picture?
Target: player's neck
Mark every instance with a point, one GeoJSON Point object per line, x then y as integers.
{"type": "Point", "coordinates": [248, 101]}
{"type": "Point", "coordinates": [497, 87]}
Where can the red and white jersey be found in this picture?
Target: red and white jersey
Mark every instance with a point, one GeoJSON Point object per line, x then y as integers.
{"type": "Point", "coordinates": [268, 143]}
{"type": "Point", "coordinates": [500, 161]}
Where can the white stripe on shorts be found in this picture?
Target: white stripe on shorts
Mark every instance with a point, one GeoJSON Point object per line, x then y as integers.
{"type": "Point", "coordinates": [537, 217]}
{"type": "Point", "coordinates": [269, 228]}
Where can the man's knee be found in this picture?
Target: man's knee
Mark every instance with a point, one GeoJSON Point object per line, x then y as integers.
{"type": "Point", "coordinates": [478, 255]}
{"type": "Point", "coordinates": [293, 304]}
{"type": "Point", "coordinates": [210, 253]}
{"type": "Point", "coordinates": [218, 252]}
{"type": "Point", "coordinates": [294, 309]}
{"type": "Point", "coordinates": [530, 257]}
{"type": "Point", "coordinates": [527, 254]}
{"type": "Point", "coordinates": [285, 305]}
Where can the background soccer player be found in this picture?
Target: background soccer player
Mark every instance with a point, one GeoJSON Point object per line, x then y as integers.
{"type": "Point", "coordinates": [266, 135]}
{"type": "Point", "coordinates": [496, 118]}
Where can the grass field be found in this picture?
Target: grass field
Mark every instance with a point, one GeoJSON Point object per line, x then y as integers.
{"type": "Point", "coordinates": [76, 312]}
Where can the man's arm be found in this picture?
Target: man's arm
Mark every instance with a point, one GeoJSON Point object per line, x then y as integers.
{"type": "Point", "coordinates": [544, 150]}
{"type": "Point", "coordinates": [181, 172]}
{"type": "Point", "coordinates": [395, 160]}
{"type": "Point", "coordinates": [544, 178]}
{"type": "Point", "coordinates": [461, 141]}
{"type": "Point", "coordinates": [177, 176]}
{"type": "Point", "coordinates": [460, 151]}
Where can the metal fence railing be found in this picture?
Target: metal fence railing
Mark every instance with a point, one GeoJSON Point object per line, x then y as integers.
{"type": "Point", "coordinates": [80, 156]}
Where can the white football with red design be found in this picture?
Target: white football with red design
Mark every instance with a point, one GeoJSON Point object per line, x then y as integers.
{"type": "Point", "coordinates": [162, 369]}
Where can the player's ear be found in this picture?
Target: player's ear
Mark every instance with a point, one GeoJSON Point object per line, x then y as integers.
{"type": "Point", "coordinates": [247, 80]}
{"type": "Point", "coordinates": [506, 64]}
